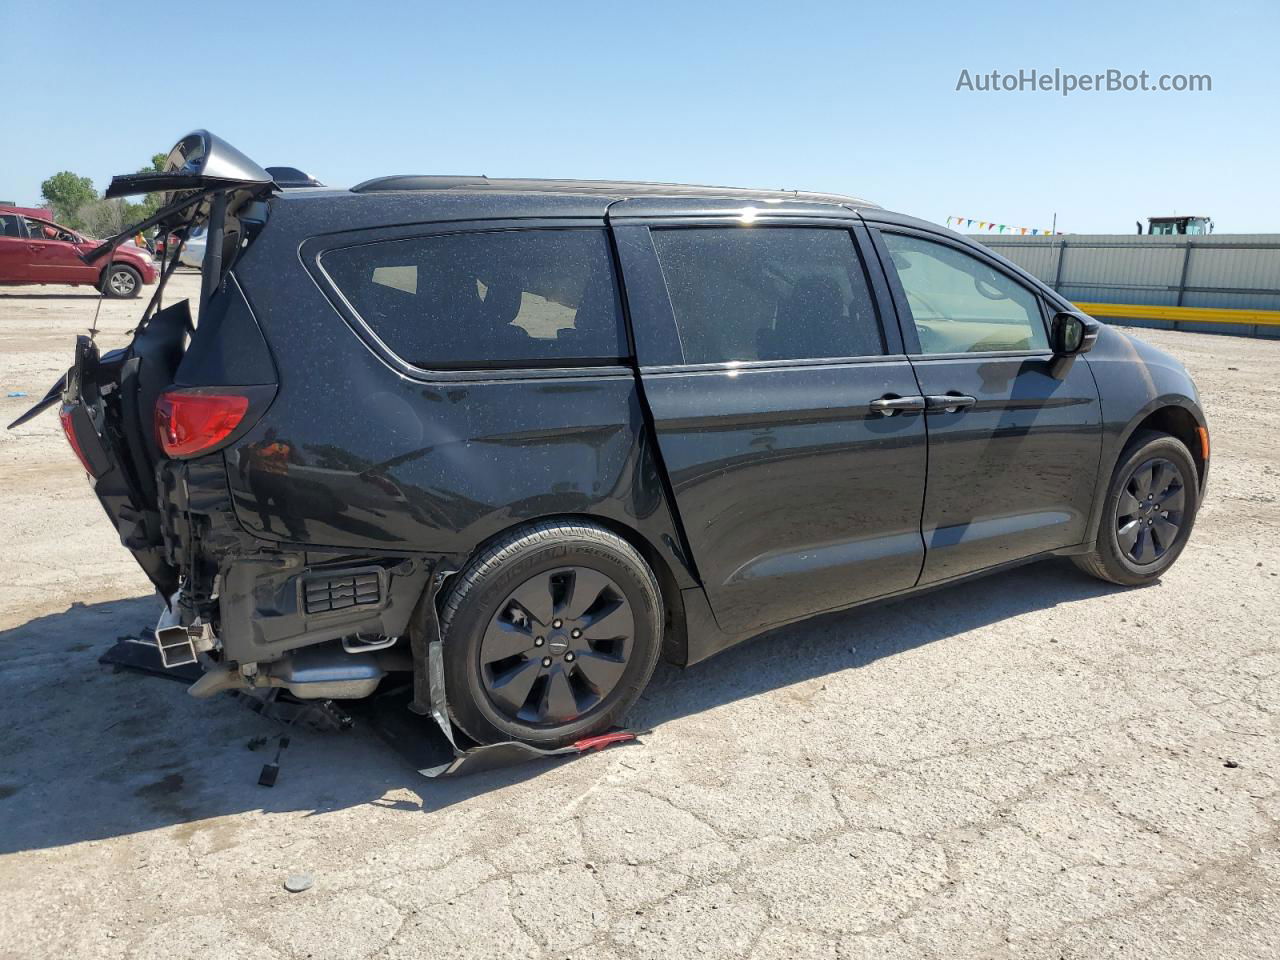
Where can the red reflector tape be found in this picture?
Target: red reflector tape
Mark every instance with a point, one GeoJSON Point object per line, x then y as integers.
{"type": "Point", "coordinates": [603, 740]}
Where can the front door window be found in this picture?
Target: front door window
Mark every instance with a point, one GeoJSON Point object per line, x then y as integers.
{"type": "Point", "coordinates": [960, 304]}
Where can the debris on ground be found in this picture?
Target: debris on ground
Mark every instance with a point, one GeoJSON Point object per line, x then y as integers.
{"type": "Point", "coordinates": [298, 882]}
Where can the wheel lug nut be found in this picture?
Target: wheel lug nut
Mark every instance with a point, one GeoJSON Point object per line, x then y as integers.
{"type": "Point", "coordinates": [557, 623]}
{"type": "Point", "coordinates": [546, 661]}
{"type": "Point", "coordinates": [538, 641]}
{"type": "Point", "coordinates": [569, 655]}
{"type": "Point", "coordinates": [575, 634]}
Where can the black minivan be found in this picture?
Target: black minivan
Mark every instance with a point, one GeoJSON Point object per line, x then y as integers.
{"type": "Point", "coordinates": [520, 438]}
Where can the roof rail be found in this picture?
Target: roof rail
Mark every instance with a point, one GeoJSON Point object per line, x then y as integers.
{"type": "Point", "coordinates": [415, 182]}
{"type": "Point", "coordinates": [613, 188]}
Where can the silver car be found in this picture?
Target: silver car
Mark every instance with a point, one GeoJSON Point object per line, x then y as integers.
{"type": "Point", "coordinates": [192, 253]}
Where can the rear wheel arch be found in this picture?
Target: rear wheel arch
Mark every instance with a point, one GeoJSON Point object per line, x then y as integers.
{"type": "Point", "coordinates": [675, 633]}
{"type": "Point", "coordinates": [482, 706]}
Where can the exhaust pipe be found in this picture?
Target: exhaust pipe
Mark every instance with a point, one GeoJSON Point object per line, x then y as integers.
{"type": "Point", "coordinates": [321, 672]}
{"type": "Point", "coordinates": [172, 639]}
{"type": "Point", "coordinates": [179, 645]}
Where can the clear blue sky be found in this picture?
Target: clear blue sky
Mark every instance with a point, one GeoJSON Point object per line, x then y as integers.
{"type": "Point", "coordinates": [840, 96]}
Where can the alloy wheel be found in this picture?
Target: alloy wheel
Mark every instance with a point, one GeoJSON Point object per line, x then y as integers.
{"type": "Point", "coordinates": [1150, 510]}
{"type": "Point", "coordinates": [122, 282]}
{"type": "Point", "coordinates": [557, 646]}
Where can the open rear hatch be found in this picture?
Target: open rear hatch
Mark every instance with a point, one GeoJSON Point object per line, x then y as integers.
{"type": "Point", "coordinates": [121, 414]}
{"type": "Point", "coordinates": [107, 413]}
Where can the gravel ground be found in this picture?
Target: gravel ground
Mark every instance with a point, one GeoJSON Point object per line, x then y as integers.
{"type": "Point", "coordinates": [1033, 766]}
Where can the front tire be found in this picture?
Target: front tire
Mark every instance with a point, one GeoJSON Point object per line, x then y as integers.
{"type": "Point", "coordinates": [1148, 514]}
{"type": "Point", "coordinates": [121, 282]}
{"type": "Point", "coordinates": [549, 635]}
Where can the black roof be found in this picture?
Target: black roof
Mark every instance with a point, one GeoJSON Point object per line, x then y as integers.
{"type": "Point", "coordinates": [618, 189]}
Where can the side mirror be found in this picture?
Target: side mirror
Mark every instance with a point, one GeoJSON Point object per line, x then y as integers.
{"type": "Point", "coordinates": [1073, 334]}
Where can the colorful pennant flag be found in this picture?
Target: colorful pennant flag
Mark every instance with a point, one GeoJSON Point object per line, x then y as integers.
{"type": "Point", "coordinates": [990, 225]}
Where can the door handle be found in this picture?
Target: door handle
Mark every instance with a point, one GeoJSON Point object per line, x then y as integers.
{"type": "Point", "coordinates": [888, 405]}
{"type": "Point", "coordinates": [33, 247]}
{"type": "Point", "coordinates": [948, 403]}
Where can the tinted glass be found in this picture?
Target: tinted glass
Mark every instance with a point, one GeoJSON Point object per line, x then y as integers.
{"type": "Point", "coordinates": [9, 225]}
{"type": "Point", "coordinates": [767, 293]}
{"type": "Point", "coordinates": [511, 298]}
{"type": "Point", "coordinates": [961, 305]}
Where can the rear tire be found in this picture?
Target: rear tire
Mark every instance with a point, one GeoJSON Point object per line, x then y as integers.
{"type": "Point", "coordinates": [121, 282]}
{"type": "Point", "coordinates": [1148, 514]}
{"type": "Point", "coordinates": [549, 635]}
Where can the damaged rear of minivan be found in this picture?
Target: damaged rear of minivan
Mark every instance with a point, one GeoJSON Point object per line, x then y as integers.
{"type": "Point", "coordinates": [318, 508]}
{"type": "Point", "coordinates": [150, 423]}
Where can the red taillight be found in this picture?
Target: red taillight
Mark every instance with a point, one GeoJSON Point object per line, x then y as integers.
{"type": "Point", "coordinates": [191, 423]}
{"type": "Point", "coordinates": [64, 415]}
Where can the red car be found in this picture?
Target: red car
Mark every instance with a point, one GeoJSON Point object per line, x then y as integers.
{"type": "Point", "coordinates": [33, 250]}
{"type": "Point", "coordinates": [163, 242]}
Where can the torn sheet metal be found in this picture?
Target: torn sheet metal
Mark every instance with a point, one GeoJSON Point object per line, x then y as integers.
{"type": "Point", "coordinates": [431, 746]}
{"type": "Point", "coordinates": [141, 654]}
{"type": "Point", "coordinates": [490, 756]}
{"type": "Point", "coordinates": [493, 756]}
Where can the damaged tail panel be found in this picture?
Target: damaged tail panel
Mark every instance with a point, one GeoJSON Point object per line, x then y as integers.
{"type": "Point", "coordinates": [150, 423]}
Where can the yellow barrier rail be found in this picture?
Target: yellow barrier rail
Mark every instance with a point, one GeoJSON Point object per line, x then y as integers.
{"type": "Point", "coordinates": [1137, 311]}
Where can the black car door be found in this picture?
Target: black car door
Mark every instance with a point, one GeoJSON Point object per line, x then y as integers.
{"type": "Point", "coordinates": [786, 414]}
{"type": "Point", "coordinates": [1014, 439]}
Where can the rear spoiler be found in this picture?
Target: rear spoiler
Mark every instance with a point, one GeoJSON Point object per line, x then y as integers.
{"type": "Point", "coordinates": [199, 161]}
{"type": "Point", "coordinates": [200, 167]}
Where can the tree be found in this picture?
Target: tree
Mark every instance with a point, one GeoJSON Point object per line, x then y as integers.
{"type": "Point", "coordinates": [151, 201]}
{"type": "Point", "coordinates": [106, 218]}
{"type": "Point", "coordinates": [76, 204]}
{"type": "Point", "coordinates": [67, 193]}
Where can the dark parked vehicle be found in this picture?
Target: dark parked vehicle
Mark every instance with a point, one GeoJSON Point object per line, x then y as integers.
{"type": "Point", "coordinates": [163, 243]}
{"type": "Point", "coordinates": [540, 433]}
{"type": "Point", "coordinates": [33, 250]}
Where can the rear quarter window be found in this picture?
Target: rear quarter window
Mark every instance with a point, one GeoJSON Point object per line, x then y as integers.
{"type": "Point", "coordinates": [506, 298]}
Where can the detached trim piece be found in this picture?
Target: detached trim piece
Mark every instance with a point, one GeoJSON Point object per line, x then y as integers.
{"type": "Point", "coordinates": [495, 756]}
